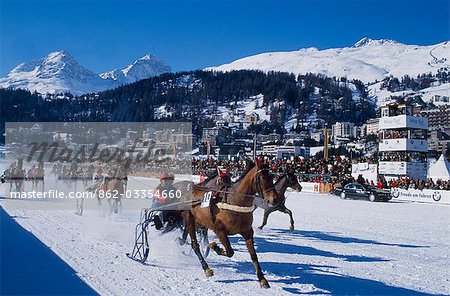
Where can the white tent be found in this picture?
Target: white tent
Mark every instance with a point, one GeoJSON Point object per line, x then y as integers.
{"type": "Point", "coordinates": [440, 170]}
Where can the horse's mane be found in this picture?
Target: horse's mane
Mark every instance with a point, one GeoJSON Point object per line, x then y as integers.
{"type": "Point", "coordinates": [280, 178]}
{"type": "Point", "coordinates": [208, 178]}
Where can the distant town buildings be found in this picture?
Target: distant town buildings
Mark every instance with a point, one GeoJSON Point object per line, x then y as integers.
{"type": "Point", "coordinates": [371, 127]}
{"type": "Point", "coordinates": [438, 118]}
{"type": "Point", "coordinates": [439, 142]}
{"type": "Point", "coordinates": [440, 99]}
{"type": "Point", "coordinates": [342, 130]}
{"type": "Point", "coordinates": [280, 152]}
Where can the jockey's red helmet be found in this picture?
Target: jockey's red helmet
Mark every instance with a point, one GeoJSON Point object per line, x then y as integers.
{"type": "Point", "coordinates": [166, 176]}
{"type": "Point", "coordinates": [223, 172]}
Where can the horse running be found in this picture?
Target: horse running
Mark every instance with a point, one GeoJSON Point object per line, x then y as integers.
{"type": "Point", "coordinates": [15, 174]}
{"type": "Point", "coordinates": [286, 181]}
{"type": "Point", "coordinates": [37, 175]}
{"type": "Point", "coordinates": [233, 214]}
{"type": "Point", "coordinates": [113, 189]}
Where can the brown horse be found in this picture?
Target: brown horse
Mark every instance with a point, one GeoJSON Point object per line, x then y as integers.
{"type": "Point", "coordinates": [233, 214]}
{"type": "Point", "coordinates": [286, 181]}
{"type": "Point", "coordinates": [214, 183]}
{"type": "Point", "coordinates": [112, 188]}
{"type": "Point", "coordinates": [37, 175]}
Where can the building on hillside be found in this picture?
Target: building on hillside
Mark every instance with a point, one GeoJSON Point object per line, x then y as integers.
{"type": "Point", "coordinates": [252, 118]}
{"type": "Point", "coordinates": [438, 118]}
{"type": "Point", "coordinates": [342, 130]}
{"type": "Point", "coordinates": [439, 142]}
{"type": "Point", "coordinates": [440, 99]}
{"type": "Point", "coordinates": [272, 137]}
{"type": "Point", "coordinates": [210, 134]}
{"type": "Point", "coordinates": [371, 127]}
{"type": "Point", "coordinates": [317, 136]}
{"type": "Point", "coordinates": [280, 152]}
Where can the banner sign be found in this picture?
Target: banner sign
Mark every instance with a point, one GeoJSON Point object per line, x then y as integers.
{"type": "Point", "coordinates": [417, 170]}
{"type": "Point", "coordinates": [403, 145]}
{"type": "Point", "coordinates": [310, 187]}
{"type": "Point", "coordinates": [403, 121]}
{"type": "Point", "coordinates": [368, 171]}
{"type": "Point", "coordinates": [426, 195]}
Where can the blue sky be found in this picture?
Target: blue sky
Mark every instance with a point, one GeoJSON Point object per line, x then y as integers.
{"type": "Point", "coordinates": [187, 35]}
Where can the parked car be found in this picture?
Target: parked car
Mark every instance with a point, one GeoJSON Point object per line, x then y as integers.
{"type": "Point", "coordinates": [358, 191]}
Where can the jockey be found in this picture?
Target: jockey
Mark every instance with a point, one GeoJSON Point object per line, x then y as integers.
{"type": "Point", "coordinates": [98, 179]}
{"type": "Point", "coordinates": [31, 172]}
{"type": "Point", "coordinates": [165, 194]}
{"type": "Point", "coordinates": [98, 175]}
{"type": "Point", "coordinates": [224, 179]}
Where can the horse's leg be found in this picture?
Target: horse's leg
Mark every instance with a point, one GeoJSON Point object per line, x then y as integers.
{"type": "Point", "coordinates": [223, 237]}
{"type": "Point", "coordinates": [190, 225]}
{"type": "Point", "coordinates": [289, 212]}
{"type": "Point", "coordinates": [116, 201]}
{"type": "Point", "coordinates": [266, 216]}
{"type": "Point", "coordinates": [111, 205]}
{"type": "Point", "coordinates": [249, 242]}
{"type": "Point", "coordinates": [183, 238]}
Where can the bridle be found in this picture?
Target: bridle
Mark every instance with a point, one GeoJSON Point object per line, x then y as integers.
{"type": "Point", "coordinates": [258, 183]}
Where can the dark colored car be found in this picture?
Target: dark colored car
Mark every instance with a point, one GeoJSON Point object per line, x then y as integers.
{"type": "Point", "coordinates": [358, 191]}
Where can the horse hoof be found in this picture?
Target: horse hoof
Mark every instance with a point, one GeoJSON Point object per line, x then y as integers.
{"type": "Point", "coordinates": [291, 228]}
{"type": "Point", "coordinates": [260, 227]}
{"type": "Point", "coordinates": [209, 272]}
{"type": "Point", "coordinates": [264, 284]}
{"type": "Point", "coordinates": [212, 245]}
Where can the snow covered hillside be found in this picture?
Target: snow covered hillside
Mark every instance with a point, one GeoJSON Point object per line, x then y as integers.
{"type": "Point", "coordinates": [339, 247]}
{"type": "Point", "coordinates": [59, 72]}
{"type": "Point", "coordinates": [367, 60]}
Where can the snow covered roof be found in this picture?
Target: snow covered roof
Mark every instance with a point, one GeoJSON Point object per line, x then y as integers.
{"type": "Point", "coordinates": [440, 170]}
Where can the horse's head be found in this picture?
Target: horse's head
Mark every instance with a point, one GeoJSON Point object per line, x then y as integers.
{"type": "Point", "coordinates": [264, 184]}
{"type": "Point", "coordinates": [292, 181]}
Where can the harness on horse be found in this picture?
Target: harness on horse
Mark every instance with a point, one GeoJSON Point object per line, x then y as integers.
{"type": "Point", "coordinates": [224, 203]}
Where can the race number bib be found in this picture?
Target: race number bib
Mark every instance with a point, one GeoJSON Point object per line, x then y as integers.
{"type": "Point", "coordinates": [206, 199]}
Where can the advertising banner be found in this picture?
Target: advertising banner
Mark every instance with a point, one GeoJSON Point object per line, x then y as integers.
{"type": "Point", "coordinates": [368, 171]}
{"type": "Point", "coordinates": [426, 195]}
{"type": "Point", "coordinates": [403, 121]}
{"type": "Point", "coordinates": [310, 187]}
{"type": "Point", "coordinates": [403, 145]}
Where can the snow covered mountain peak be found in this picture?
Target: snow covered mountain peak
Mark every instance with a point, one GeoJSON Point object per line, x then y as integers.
{"type": "Point", "coordinates": [147, 57]}
{"type": "Point", "coordinates": [59, 72]}
{"type": "Point", "coordinates": [59, 55]}
{"type": "Point", "coordinates": [142, 68]}
{"type": "Point", "coordinates": [368, 60]}
{"type": "Point", "coordinates": [368, 42]}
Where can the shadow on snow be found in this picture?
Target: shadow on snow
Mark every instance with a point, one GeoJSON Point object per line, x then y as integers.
{"type": "Point", "coordinates": [321, 276]}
